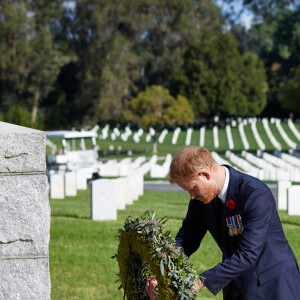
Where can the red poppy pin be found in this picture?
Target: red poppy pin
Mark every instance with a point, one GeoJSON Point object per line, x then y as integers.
{"type": "Point", "coordinates": [231, 204]}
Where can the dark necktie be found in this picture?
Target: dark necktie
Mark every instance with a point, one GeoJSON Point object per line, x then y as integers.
{"type": "Point", "coordinates": [219, 208]}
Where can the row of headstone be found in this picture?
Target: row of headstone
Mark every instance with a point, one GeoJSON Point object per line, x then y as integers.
{"type": "Point", "coordinates": [114, 168]}
{"type": "Point", "coordinates": [137, 135]}
{"type": "Point", "coordinates": [219, 159]}
{"type": "Point", "coordinates": [67, 183]}
{"type": "Point", "coordinates": [257, 137]}
{"type": "Point", "coordinates": [288, 197]}
{"type": "Point", "coordinates": [243, 136]}
{"type": "Point", "coordinates": [104, 133]}
{"type": "Point", "coordinates": [285, 170]}
{"type": "Point", "coordinates": [285, 137]}
{"type": "Point", "coordinates": [294, 160]}
{"type": "Point", "coordinates": [245, 165]}
{"type": "Point", "coordinates": [161, 171]}
{"type": "Point", "coordinates": [110, 195]}
{"type": "Point", "coordinates": [202, 136]}
{"type": "Point", "coordinates": [270, 135]}
{"type": "Point", "coordinates": [270, 171]}
{"type": "Point", "coordinates": [216, 136]}
{"type": "Point", "coordinates": [126, 134]}
{"type": "Point", "coordinates": [294, 129]}
{"type": "Point", "coordinates": [229, 137]}
{"type": "Point", "coordinates": [162, 136]}
{"type": "Point", "coordinates": [175, 135]}
{"type": "Point", "coordinates": [146, 167]}
{"type": "Point", "coordinates": [188, 136]}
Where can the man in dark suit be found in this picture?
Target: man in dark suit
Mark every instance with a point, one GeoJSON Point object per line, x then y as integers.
{"type": "Point", "coordinates": [240, 213]}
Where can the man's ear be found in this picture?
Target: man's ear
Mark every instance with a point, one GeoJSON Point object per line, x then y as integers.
{"type": "Point", "coordinates": [205, 174]}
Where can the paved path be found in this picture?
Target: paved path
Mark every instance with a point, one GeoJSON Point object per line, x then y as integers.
{"type": "Point", "coordinates": [165, 186]}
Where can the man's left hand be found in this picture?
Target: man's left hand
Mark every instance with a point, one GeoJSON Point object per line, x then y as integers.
{"type": "Point", "coordinates": [198, 285]}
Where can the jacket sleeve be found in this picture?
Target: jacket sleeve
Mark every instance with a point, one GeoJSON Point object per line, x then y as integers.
{"type": "Point", "coordinates": [259, 209]}
{"type": "Point", "coordinates": [191, 232]}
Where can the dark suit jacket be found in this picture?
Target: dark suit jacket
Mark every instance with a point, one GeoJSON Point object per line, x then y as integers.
{"type": "Point", "coordinates": [260, 260]}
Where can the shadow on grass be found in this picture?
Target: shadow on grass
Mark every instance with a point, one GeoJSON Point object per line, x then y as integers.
{"type": "Point", "coordinates": [70, 216]}
{"type": "Point", "coordinates": [290, 223]}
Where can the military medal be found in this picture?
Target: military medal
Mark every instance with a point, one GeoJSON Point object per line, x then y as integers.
{"type": "Point", "coordinates": [234, 224]}
{"type": "Point", "coordinates": [239, 222]}
{"type": "Point", "coordinates": [230, 227]}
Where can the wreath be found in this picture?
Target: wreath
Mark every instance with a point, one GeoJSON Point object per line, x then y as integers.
{"type": "Point", "coordinates": [153, 252]}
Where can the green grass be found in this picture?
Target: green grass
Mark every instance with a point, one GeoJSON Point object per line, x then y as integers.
{"type": "Point", "coordinates": [80, 249]}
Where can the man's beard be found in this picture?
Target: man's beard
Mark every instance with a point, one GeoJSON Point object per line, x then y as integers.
{"type": "Point", "coordinates": [208, 193]}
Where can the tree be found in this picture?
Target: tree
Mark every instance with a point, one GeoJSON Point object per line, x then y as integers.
{"type": "Point", "coordinates": [123, 47]}
{"type": "Point", "coordinates": [30, 59]}
{"type": "Point", "coordinates": [289, 93]}
{"type": "Point", "coordinates": [155, 107]}
{"type": "Point", "coordinates": [218, 79]}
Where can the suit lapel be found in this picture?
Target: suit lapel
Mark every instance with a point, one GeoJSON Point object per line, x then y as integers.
{"type": "Point", "coordinates": [231, 196]}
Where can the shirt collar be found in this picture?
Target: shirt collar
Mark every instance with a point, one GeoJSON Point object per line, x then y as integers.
{"type": "Point", "coordinates": [223, 193]}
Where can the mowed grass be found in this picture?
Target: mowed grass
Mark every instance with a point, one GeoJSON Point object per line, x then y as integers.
{"type": "Point", "coordinates": [80, 249]}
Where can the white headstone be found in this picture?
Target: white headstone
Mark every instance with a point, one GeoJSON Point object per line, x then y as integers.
{"type": "Point", "coordinates": [282, 187]}
{"type": "Point", "coordinates": [70, 184]}
{"type": "Point", "coordinates": [104, 199]}
{"type": "Point", "coordinates": [81, 182]}
{"type": "Point", "coordinates": [293, 204]}
{"type": "Point", "coordinates": [57, 186]}
{"type": "Point", "coordinates": [121, 190]}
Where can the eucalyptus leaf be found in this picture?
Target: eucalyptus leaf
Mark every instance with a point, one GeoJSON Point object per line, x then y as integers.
{"type": "Point", "coordinates": [162, 268]}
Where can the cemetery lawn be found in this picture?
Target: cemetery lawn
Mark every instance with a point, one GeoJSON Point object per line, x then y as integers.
{"type": "Point", "coordinates": [80, 249]}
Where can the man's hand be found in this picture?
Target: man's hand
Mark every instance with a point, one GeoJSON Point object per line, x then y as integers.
{"type": "Point", "coordinates": [151, 284]}
{"type": "Point", "coordinates": [197, 285]}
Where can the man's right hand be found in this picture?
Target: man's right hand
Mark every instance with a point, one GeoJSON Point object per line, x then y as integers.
{"type": "Point", "coordinates": [151, 285]}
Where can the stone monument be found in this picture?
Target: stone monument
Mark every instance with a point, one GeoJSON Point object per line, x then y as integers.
{"type": "Point", "coordinates": [24, 214]}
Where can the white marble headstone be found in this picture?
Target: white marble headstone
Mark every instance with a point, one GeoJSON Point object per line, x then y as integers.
{"type": "Point", "coordinates": [70, 184]}
{"type": "Point", "coordinates": [293, 204]}
{"type": "Point", "coordinates": [104, 199]}
{"type": "Point", "coordinates": [282, 187]}
{"type": "Point", "coordinates": [57, 186]}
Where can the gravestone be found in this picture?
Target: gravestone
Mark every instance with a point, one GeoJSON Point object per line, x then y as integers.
{"type": "Point", "coordinates": [104, 199]}
{"type": "Point", "coordinates": [81, 180]}
{"type": "Point", "coordinates": [121, 189]}
{"type": "Point", "coordinates": [293, 203]}
{"type": "Point", "coordinates": [24, 214]}
{"type": "Point", "coordinates": [70, 184]}
{"type": "Point", "coordinates": [282, 187]}
{"type": "Point", "coordinates": [57, 186]}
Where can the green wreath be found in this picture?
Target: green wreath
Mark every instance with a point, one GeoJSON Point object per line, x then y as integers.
{"type": "Point", "coordinates": [154, 252]}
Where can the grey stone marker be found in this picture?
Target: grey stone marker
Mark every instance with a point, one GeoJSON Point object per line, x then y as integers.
{"type": "Point", "coordinates": [24, 214]}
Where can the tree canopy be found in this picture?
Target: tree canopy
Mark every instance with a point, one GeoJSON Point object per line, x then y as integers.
{"type": "Point", "coordinates": [78, 63]}
{"type": "Point", "coordinates": [157, 108]}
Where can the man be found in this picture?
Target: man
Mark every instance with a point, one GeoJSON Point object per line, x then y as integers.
{"type": "Point", "coordinates": [240, 213]}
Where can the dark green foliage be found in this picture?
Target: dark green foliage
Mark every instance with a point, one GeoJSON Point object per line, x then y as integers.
{"type": "Point", "coordinates": [156, 107]}
{"type": "Point", "coordinates": [218, 79]}
{"type": "Point", "coordinates": [290, 92]}
{"type": "Point", "coordinates": [155, 253]}
{"type": "Point", "coordinates": [87, 61]}
{"type": "Point", "coordinates": [30, 61]}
